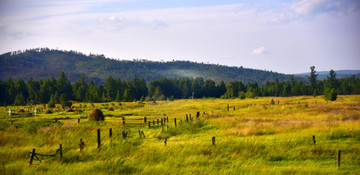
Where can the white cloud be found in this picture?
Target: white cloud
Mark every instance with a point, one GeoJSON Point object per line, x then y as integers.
{"type": "Point", "coordinates": [261, 51]}
{"type": "Point", "coordinates": [310, 9]}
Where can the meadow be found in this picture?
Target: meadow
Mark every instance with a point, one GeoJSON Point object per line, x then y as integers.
{"type": "Point", "coordinates": [252, 136]}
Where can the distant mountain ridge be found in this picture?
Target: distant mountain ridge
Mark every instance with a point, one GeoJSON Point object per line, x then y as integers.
{"type": "Point", "coordinates": [339, 74]}
{"type": "Point", "coordinates": [44, 63]}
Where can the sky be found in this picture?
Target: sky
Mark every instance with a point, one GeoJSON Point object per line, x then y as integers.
{"type": "Point", "coordinates": [285, 36]}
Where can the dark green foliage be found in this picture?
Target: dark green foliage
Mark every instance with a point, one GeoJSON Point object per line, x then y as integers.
{"type": "Point", "coordinates": [43, 63]}
{"type": "Point", "coordinates": [272, 102]}
{"type": "Point", "coordinates": [64, 102]}
{"type": "Point", "coordinates": [51, 103]}
{"type": "Point", "coordinates": [330, 94]}
{"type": "Point", "coordinates": [312, 80]}
{"type": "Point", "coordinates": [49, 90]}
{"type": "Point", "coordinates": [19, 100]}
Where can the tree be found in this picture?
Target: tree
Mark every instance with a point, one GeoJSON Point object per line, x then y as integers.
{"type": "Point", "coordinates": [19, 100]}
{"type": "Point", "coordinates": [110, 87]}
{"type": "Point", "coordinates": [63, 86]}
{"type": "Point", "coordinates": [64, 102]}
{"type": "Point", "coordinates": [118, 96]}
{"type": "Point", "coordinates": [80, 88]}
{"type": "Point", "coordinates": [330, 94]}
{"type": "Point", "coordinates": [331, 88]}
{"type": "Point", "coordinates": [51, 103]}
{"type": "Point", "coordinates": [312, 79]}
{"type": "Point", "coordinates": [332, 81]}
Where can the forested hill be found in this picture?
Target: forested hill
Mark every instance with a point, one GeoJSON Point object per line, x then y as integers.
{"type": "Point", "coordinates": [45, 63]}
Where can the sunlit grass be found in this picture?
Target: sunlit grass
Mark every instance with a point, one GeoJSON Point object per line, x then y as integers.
{"type": "Point", "coordinates": [255, 138]}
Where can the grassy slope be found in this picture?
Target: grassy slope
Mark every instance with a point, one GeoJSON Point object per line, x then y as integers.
{"type": "Point", "coordinates": [255, 138]}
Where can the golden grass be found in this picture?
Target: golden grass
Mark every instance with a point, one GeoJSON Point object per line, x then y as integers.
{"type": "Point", "coordinates": [255, 138]}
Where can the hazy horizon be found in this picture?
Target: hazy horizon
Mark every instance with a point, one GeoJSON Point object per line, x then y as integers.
{"type": "Point", "coordinates": [280, 36]}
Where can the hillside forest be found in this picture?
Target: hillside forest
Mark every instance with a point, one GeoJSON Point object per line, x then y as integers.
{"type": "Point", "coordinates": [60, 91]}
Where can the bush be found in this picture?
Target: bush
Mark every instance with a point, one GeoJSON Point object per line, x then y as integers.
{"type": "Point", "coordinates": [272, 102]}
{"type": "Point", "coordinates": [330, 94]}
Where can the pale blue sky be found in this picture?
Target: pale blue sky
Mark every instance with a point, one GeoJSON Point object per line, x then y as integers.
{"type": "Point", "coordinates": [282, 36]}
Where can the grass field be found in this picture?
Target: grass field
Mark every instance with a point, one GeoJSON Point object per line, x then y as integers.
{"type": "Point", "coordinates": [254, 138]}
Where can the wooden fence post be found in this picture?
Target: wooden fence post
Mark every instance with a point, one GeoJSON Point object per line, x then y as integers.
{"type": "Point", "coordinates": [187, 118]}
{"type": "Point", "coordinates": [78, 120]}
{"type": "Point", "coordinates": [32, 156]}
{"type": "Point", "coordinates": [149, 125]}
{"type": "Point", "coordinates": [338, 158]}
{"type": "Point", "coordinates": [123, 118]}
{"type": "Point", "coordinates": [124, 134]}
{"type": "Point", "coordinates": [110, 132]}
{"type": "Point", "coordinates": [81, 145]}
{"type": "Point", "coordinates": [144, 119]}
{"type": "Point", "coordinates": [123, 122]}
{"type": "Point", "coordinates": [98, 138]}
{"type": "Point", "coordinates": [165, 141]}
{"type": "Point", "coordinates": [228, 107]}
{"type": "Point", "coordinates": [314, 140]}
{"type": "Point", "coordinates": [175, 122]}
{"type": "Point", "coordinates": [167, 119]}
{"type": "Point", "coordinates": [197, 115]}
{"type": "Point", "coordinates": [61, 153]}
{"type": "Point", "coordinates": [142, 132]}
{"type": "Point", "coordinates": [213, 141]}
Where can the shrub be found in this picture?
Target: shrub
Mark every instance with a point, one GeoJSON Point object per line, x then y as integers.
{"type": "Point", "coordinates": [330, 94]}
{"type": "Point", "coordinates": [272, 102]}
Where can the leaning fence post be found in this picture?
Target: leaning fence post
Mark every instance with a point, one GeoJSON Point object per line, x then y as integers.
{"type": "Point", "coordinates": [175, 122]}
{"type": "Point", "coordinates": [61, 153]}
{"type": "Point", "coordinates": [98, 138]}
{"type": "Point", "coordinates": [32, 156]}
{"type": "Point", "coordinates": [314, 140]}
{"type": "Point", "coordinates": [213, 141]}
{"type": "Point", "coordinates": [338, 158]}
{"type": "Point", "coordinates": [110, 132]}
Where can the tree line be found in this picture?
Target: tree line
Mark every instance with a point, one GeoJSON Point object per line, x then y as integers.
{"type": "Point", "coordinates": [60, 91]}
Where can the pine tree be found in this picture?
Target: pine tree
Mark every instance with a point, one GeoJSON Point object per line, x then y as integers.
{"type": "Point", "coordinates": [312, 80]}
